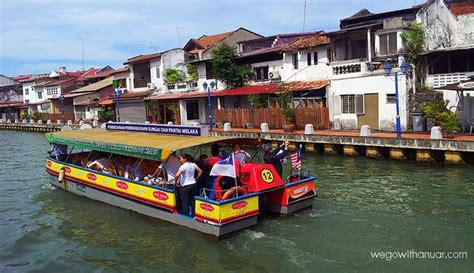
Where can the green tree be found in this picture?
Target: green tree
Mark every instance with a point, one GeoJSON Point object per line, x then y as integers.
{"type": "Point", "coordinates": [226, 69]}
{"type": "Point", "coordinates": [414, 43]}
{"type": "Point", "coordinates": [192, 72]}
{"type": "Point", "coordinates": [259, 100]}
{"type": "Point", "coordinates": [173, 75]}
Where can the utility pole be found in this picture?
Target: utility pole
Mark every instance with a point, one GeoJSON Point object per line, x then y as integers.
{"type": "Point", "coordinates": [82, 47]}
{"type": "Point", "coordinates": [304, 16]}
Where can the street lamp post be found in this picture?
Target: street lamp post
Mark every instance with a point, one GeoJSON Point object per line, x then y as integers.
{"type": "Point", "coordinates": [117, 108]}
{"type": "Point", "coordinates": [388, 72]}
{"type": "Point", "coordinates": [27, 102]}
{"type": "Point", "coordinates": [209, 107]}
{"type": "Point", "coordinates": [61, 100]}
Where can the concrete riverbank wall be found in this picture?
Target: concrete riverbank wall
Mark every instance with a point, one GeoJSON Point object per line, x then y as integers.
{"type": "Point", "coordinates": [423, 150]}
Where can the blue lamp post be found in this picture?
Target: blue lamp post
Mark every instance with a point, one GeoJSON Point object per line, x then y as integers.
{"type": "Point", "coordinates": [117, 94]}
{"type": "Point", "coordinates": [61, 100]}
{"type": "Point", "coordinates": [208, 87]}
{"type": "Point", "coordinates": [388, 72]}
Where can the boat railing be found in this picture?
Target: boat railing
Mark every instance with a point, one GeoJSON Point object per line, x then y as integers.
{"type": "Point", "coordinates": [297, 175]}
{"type": "Point", "coordinates": [218, 194]}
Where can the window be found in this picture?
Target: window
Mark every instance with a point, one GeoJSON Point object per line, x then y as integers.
{"type": "Point", "coordinates": [27, 91]}
{"type": "Point", "coordinates": [358, 49]}
{"type": "Point", "coordinates": [158, 73]}
{"type": "Point", "coordinates": [315, 58]}
{"type": "Point", "coordinates": [192, 109]}
{"type": "Point", "coordinates": [388, 43]}
{"type": "Point", "coordinates": [52, 91]}
{"type": "Point", "coordinates": [308, 58]}
{"type": "Point", "coordinates": [40, 95]}
{"type": "Point", "coordinates": [295, 61]}
{"type": "Point", "coordinates": [391, 98]}
{"type": "Point", "coordinates": [352, 104]}
{"type": "Point", "coordinates": [261, 73]}
{"type": "Point", "coordinates": [209, 72]}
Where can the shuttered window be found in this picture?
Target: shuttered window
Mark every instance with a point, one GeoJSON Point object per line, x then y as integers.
{"type": "Point", "coordinates": [388, 43]}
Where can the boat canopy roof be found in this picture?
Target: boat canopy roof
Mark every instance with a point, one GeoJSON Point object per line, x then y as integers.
{"type": "Point", "coordinates": [143, 145]}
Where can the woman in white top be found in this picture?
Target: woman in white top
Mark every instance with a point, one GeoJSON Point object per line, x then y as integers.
{"type": "Point", "coordinates": [185, 182]}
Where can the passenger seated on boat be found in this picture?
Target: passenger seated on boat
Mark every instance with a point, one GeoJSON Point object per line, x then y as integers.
{"type": "Point", "coordinates": [58, 152]}
{"type": "Point", "coordinates": [133, 170]}
{"type": "Point", "coordinates": [102, 165]}
{"type": "Point", "coordinates": [210, 161]}
{"type": "Point", "coordinates": [157, 176]}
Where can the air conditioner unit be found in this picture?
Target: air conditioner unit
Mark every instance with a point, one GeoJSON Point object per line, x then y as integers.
{"type": "Point", "coordinates": [150, 85]}
{"type": "Point", "coordinates": [274, 74]}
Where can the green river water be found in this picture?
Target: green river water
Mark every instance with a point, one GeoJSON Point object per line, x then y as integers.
{"type": "Point", "coordinates": [363, 206]}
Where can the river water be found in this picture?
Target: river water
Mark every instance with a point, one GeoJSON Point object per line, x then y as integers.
{"type": "Point", "coordinates": [364, 205]}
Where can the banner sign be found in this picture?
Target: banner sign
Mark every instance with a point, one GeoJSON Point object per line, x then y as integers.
{"type": "Point", "coordinates": [158, 129]}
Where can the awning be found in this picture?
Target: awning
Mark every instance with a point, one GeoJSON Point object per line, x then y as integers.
{"type": "Point", "coordinates": [242, 91]}
{"type": "Point", "coordinates": [271, 88]}
{"type": "Point", "coordinates": [11, 104]}
{"type": "Point", "coordinates": [297, 86]}
{"type": "Point", "coordinates": [39, 102]}
{"type": "Point", "coordinates": [106, 102]}
{"type": "Point", "coordinates": [142, 145]}
{"type": "Point", "coordinates": [248, 90]}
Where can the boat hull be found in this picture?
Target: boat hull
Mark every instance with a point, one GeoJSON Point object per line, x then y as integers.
{"type": "Point", "coordinates": [293, 197]}
{"type": "Point", "coordinates": [82, 189]}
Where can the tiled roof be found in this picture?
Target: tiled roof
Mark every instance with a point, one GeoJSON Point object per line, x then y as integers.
{"type": "Point", "coordinates": [95, 86]}
{"type": "Point", "coordinates": [141, 58]}
{"type": "Point", "coordinates": [461, 8]}
{"type": "Point", "coordinates": [90, 72]}
{"type": "Point", "coordinates": [120, 70]}
{"type": "Point", "coordinates": [304, 43]}
{"type": "Point", "coordinates": [207, 41]}
{"type": "Point", "coordinates": [261, 51]}
{"type": "Point", "coordinates": [59, 82]}
{"type": "Point", "coordinates": [305, 85]}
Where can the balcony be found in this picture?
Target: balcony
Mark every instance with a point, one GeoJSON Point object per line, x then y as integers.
{"type": "Point", "coordinates": [182, 87]}
{"type": "Point", "coordinates": [140, 83]}
{"type": "Point", "coordinates": [440, 80]}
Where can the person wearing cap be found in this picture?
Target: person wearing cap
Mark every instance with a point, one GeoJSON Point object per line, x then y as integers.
{"type": "Point", "coordinates": [275, 156]}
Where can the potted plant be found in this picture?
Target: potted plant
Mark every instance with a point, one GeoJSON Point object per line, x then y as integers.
{"type": "Point", "coordinates": [285, 99]}
{"type": "Point", "coordinates": [289, 114]}
{"type": "Point", "coordinates": [442, 116]}
{"type": "Point", "coordinates": [25, 115]}
{"type": "Point", "coordinates": [36, 116]}
{"type": "Point", "coordinates": [175, 109]}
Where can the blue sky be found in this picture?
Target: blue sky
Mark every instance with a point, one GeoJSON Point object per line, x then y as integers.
{"type": "Point", "coordinates": [38, 36]}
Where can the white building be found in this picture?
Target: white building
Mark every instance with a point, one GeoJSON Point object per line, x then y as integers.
{"type": "Point", "coordinates": [359, 92]}
{"type": "Point", "coordinates": [449, 53]}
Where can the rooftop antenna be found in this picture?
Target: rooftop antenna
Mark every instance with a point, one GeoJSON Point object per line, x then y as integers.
{"type": "Point", "coordinates": [179, 36]}
{"type": "Point", "coordinates": [304, 16]}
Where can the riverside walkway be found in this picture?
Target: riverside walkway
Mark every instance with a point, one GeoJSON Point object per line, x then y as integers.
{"type": "Point", "coordinates": [412, 146]}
